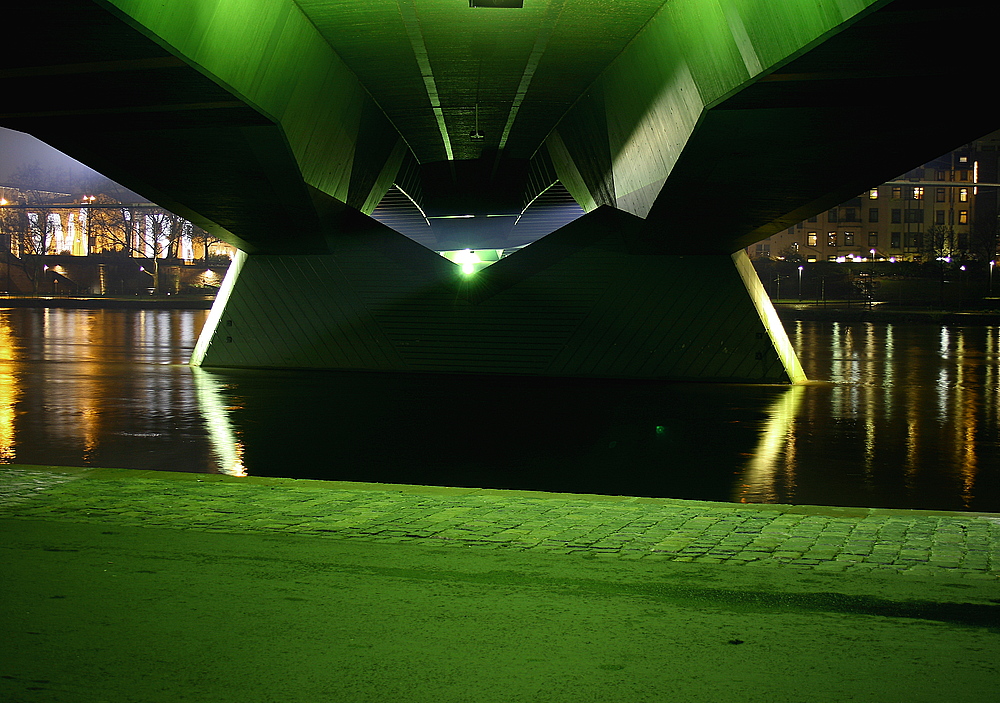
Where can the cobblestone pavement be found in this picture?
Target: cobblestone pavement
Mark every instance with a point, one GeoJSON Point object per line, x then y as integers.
{"type": "Point", "coordinates": [928, 543]}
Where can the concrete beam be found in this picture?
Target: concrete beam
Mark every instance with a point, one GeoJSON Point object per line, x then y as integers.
{"type": "Point", "coordinates": [230, 112]}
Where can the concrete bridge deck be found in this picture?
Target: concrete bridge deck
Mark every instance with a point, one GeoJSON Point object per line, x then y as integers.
{"type": "Point", "coordinates": [151, 586]}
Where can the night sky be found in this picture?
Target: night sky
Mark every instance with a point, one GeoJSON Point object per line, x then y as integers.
{"type": "Point", "coordinates": [19, 149]}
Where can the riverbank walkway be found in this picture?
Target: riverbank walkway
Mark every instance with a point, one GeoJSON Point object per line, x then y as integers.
{"type": "Point", "coordinates": [125, 585]}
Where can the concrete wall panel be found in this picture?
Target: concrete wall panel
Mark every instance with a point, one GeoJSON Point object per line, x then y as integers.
{"type": "Point", "coordinates": [692, 54]}
{"type": "Point", "coordinates": [268, 53]}
{"type": "Point", "coordinates": [583, 303]}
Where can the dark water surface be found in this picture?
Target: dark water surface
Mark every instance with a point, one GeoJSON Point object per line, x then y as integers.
{"type": "Point", "coordinates": [897, 416]}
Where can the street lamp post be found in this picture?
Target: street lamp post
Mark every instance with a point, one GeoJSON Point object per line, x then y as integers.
{"type": "Point", "coordinates": [800, 283]}
{"type": "Point", "coordinates": [871, 282]}
{"type": "Point", "coordinates": [992, 264]}
{"type": "Point", "coordinates": [961, 285]}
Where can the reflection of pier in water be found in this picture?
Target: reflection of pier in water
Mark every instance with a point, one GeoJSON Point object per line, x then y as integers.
{"type": "Point", "coordinates": [898, 416]}
{"type": "Point", "coordinates": [909, 411]}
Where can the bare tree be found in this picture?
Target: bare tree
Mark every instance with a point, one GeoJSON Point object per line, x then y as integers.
{"type": "Point", "coordinates": [29, 225]}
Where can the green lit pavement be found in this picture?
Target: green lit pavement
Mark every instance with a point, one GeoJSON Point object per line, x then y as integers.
{"type": "Point", "coordinates": [147, 586]}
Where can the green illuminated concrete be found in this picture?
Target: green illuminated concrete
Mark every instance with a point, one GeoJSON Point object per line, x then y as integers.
{"type": "Point", "coordinates": [394, 306]}
{"type": "Point", "coordinates": [151, 586]}
{"type": "Point", "coordinates": [725, 121]}
{"type": "Point", "coordinates": [269, 54]}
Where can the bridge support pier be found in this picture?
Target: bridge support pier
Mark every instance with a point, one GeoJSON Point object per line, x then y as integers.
{"type": "Point", "coordinates": [577, 303]}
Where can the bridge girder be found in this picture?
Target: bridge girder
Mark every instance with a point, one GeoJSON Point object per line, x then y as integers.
{"type": "Point", "coordinates": [712, 123]}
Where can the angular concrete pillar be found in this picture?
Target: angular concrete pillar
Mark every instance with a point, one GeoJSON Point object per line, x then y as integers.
{"type": "Point", "coordinates": [584, 301]}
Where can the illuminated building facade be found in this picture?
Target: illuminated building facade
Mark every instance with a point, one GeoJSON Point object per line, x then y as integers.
{"type": "Point", "coordinates": [37, 223]}
{"type": "Point", "coordinates": [940, 209]}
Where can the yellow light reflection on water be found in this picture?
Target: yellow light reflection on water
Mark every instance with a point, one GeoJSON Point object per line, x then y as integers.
{"type": "Point", "coordinates": [9, 390]}
{"type": "Point", "coordinates": [774, 459]}
{"type": "Point", "coordinates": [225, 444]}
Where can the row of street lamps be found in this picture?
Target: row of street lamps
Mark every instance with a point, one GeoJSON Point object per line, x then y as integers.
{"type": "Point", "coordinates": [777, 280]}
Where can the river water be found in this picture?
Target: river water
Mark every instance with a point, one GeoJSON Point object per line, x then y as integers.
{"type": "Point", "coordinates": [902, 416]}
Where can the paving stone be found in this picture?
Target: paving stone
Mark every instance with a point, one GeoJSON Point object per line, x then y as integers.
{"type": "Point", "coordinates": [597, 526]}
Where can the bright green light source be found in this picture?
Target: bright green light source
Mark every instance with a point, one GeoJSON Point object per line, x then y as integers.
{"type": "Point", "coordinates": [660, 429]}
{"type": "Point", "coordinates": [466, 256]}
{"type": "Point", "coordinates": [468, 259]}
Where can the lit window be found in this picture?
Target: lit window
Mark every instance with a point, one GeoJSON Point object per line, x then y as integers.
{"type": "Point", "coordinates": [873, 194]}
{"type": "Point", "coordinates": [918, 193]}
{"type": "Point", "coordinates": [811, 239]}
{"type": "Point", "coordinates": [963, 195]}
{"type": "Point", "coordinates": [963, 217]}
{"type": "Point", "coordinates": [831, 238]}
{"type": "Point", "coordinates": [848, 239]}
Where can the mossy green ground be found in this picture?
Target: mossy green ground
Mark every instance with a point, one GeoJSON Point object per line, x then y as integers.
{"type": "Point", "coordinates": [102, 607]}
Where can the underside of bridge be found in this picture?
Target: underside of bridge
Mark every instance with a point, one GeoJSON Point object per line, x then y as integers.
{"type": "Point", "coordinates": [684, 129]}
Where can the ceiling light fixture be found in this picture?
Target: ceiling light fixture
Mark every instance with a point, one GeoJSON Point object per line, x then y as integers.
{"type": "Point", "coordinates": [477, 134]}
{"type": "Point", "coordinates": [496, 3]}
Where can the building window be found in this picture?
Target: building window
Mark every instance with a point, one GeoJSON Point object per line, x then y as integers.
{"type": "Point", "coordinates": [939, 175]}
{"type": "Point", "coordinates": [873, 194]}
{"type": "Point", "coordinates": [897, 215]}
{"type": "Point", "coordinates": [849, 214]}
{"type": "Point", "coordinates": [831, 238]}
{"type": "Point", "coordinates": [873, 239]}
{"type": "Point", "coordinates": [914, 216]}
{"type": "Point", "coordinates": [939, 217]}
{"type": "Point", "coordinates": [811, 239]}
{"type": "Point", "coordinates": [963, 217]}
{"type": "Point", "coordinates": [913, 240]}
{"type": "Point", "coordinates": [918, 193]}
{"type": "Point", "coordinates": [963, 195]}
{"type": "Point", "coordinates": [813, 219]}
{"type": "Point", "coordinates": [873, 214]}
{"type": "Point", "coordinates": [897, 192]}
{"type": "Point", "coordinates": [848, 239]}
{"type": "Point", "coordinates": [831, 216]}
{"type": "Point", "coordinates": [894, 239]}
{"type": "Point", "coordinates": [939, 195]}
